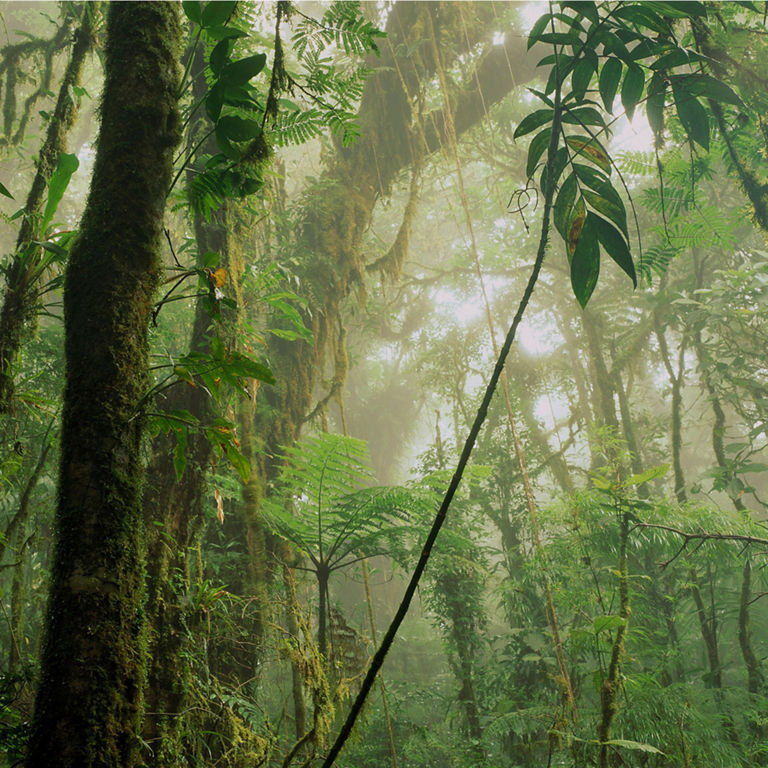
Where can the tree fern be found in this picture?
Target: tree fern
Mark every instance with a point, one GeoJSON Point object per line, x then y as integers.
{"type": "Point", "coordinates": [326, 511]}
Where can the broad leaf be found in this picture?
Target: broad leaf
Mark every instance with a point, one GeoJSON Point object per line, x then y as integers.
{"type": "Point", "coordinates": [58, 184]}
{"type": "Point", "coordinates": [590, 149]}
{"type": "Point", "coordinates": [533, 121]}
{"type": "Point", "coordinates": [692, 115]}
{"type": "Point", "coordinates": [610, 75]}
{"type": "Point", "coordinates": [616, 247]}
{"type": "Point", "coordinates": [217, 12]}
{"type": "Point", "coordinates": [240, 72]}
{"type": "Point", "coordinates": [538, 147]}
{"type": "Point", "coordinates": [585, 263]}
{"type": "Point", "coordinates": [632, 89]}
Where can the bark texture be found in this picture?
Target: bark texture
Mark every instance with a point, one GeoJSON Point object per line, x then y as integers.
{"type": "Point", "coordinates": [89, 702]}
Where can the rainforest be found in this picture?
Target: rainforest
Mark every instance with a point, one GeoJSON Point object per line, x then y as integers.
{"type": "Point", "coordinates": [383, 384]}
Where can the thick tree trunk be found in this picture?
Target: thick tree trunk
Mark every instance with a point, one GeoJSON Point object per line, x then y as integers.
{"type": "Point", "coordinates": [88, 708]}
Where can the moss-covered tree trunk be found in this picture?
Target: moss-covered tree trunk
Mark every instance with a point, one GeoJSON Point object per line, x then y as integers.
{"type": "Point", "coordinates": [88, 707]}
{"type": "Point", "coordinates": [393, 138]}
{"type": "Point", "coordinates": [20, 297]}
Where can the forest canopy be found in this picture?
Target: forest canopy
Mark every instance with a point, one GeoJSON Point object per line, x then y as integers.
{"type": "Point", "coordinates": [383, 383]}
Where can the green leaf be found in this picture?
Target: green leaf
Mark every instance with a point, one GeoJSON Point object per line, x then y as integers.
{"type": "Point", "coordinates": [240, 365]}
{"type": "Point", "coordinates": [58, 184]}
{"type": "Point", "coordinates": [584, 116]}
{"type": "Point", "coordinates": [214, 101]}
{"type": "Point", "coordinates": [684, 9]}
{"type": "Point", "coordinates": [611, 207]}
{"type": "Point", "coordinates": [219, 55]}
{"type": "Point", "coordinates": [628, 744]}
{"type": "Point", "coordinates": [643, 15]}
{"type": "Point", "coordinates": [538, 146]}
{"type": "Point", "coordinates": [182, 415]}
{"type": "Point", "coordinates": [184, 374]}
{"type": "Point", "coordinates": [677, 57]}
{"type": "Point", "coordinates": [649, 474]}
{"type": "Point", "coordinates": [225, 146]}
{"type": "Point", "coordinates": [590, 149]}
{"type": "Point", "coordinates": [193, 10]}
{"type": "Point", "coordinates": [708, 87]}
{"type": "Point", "coordinates": [51, 247]}
{"type": "Point", "coordinates": [4, 191]}
{"type": "Point", "coordinates": [582, 74]}
{"type": "Point", "coordinates": [564, 205]}
{"type": "Point", "coordinates": [573, 226]}
{"type": "Point", "coordinates": [533, 121]}
{"type": "Point", "coordinates": [240, 72]}
{"type": "Point", "coordinates": [560, 38]}
{"type": "Point", "coordinates": [603, 623]}
{"type": "Point", "coordinates": [607, 200]}
{"type": "Point", "coordinates": [585, 263]}
{"type": "Point", "coordinates": [238, 128]}
{"type": "Point", "coordinates": [217, 12]}
{"type": "Point", "coordinates": [654, 105]}
{"type": "Point", "coordinates": [538, 28]}
{"type": "Point", "coordinates": [608, 84]}
{"type": "Point", "coordinates": [692, 115]}
{"type": "Point", "coordinates": [240, 463]}
{"type": "Point", "coordinates": [632, 89]}
{"type": "Point", "coordinates": [616, 247]}
{"type": "Point", "coordinates": [586, 8]}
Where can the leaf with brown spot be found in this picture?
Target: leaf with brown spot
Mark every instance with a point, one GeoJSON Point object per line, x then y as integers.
{"type": "Point", "coordinates": [575, 226]}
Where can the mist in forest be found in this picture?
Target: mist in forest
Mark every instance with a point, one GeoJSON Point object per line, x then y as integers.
{"type": "Point", "coordinates": [268, 496]}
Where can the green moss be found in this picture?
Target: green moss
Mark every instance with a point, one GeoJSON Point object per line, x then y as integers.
{"type": "Point", "coordinates": [88, 706]}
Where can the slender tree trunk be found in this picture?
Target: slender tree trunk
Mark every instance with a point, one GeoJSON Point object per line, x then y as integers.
{"type": "Point", "coordinates": [755, 677]}
{"type": "Point", "coordinates": [88, 707]}
{"type": "Point", "coordinates": [676, 381]}
{"type": "Point", "coordinates": [708, 626]}
{"type": "Point", "coordinates": [609, 694]}
{"type": "Point", "coordinates": [20, 297]}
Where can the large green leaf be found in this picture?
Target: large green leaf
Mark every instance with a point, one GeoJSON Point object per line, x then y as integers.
{"type": "Point", "coordinates": [58, 184]}
{"type": "Point", "coordinates": [538, 146]}
{"type": "Point", "coordinates": [217, 12]}
{"type": "Point", "coordinates": [585, 263]}
{"type": "Point", "coordinates": [4, 191]}
{"type": "Point", "coordinates": [616, 247]}
{"type": "Point", "coordinates": [590, 149]}
{"type": "Point", "coordinates": [692, 115]}
{"type": "Point", "coordinates": [564, 205]}
{"type": "Point", "coordinates": [193, 9]}
{"type": "Point", "coordinates": [654, 105]}
{"type": "Point", "coordinates": [709, 87]}
{"type": "Point", "coordinates": [632, 89]}
{"type": "Point", "coordinates": [238, 128]}
{"type": "Point", "coordinates": [610, 75]}
{"type": "Point", "coordinates": [241, 71]}
{"type": "Point", "coordinates": [582, 74]}
{"type": "Point", "coordinates": [533, 121]}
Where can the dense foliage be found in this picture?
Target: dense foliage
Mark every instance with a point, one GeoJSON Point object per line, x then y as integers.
{"type": "Point", "coordinates": [362, 196]}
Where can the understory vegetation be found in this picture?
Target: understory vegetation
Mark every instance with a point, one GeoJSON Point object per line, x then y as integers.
{"type": "Point", "coordinates": [277, 485]}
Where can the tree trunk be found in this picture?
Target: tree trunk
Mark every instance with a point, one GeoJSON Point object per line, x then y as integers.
{"type": "Point", "coordinates": [88, 707]}
{"type": "Point", "coordinates": [20, 297]}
